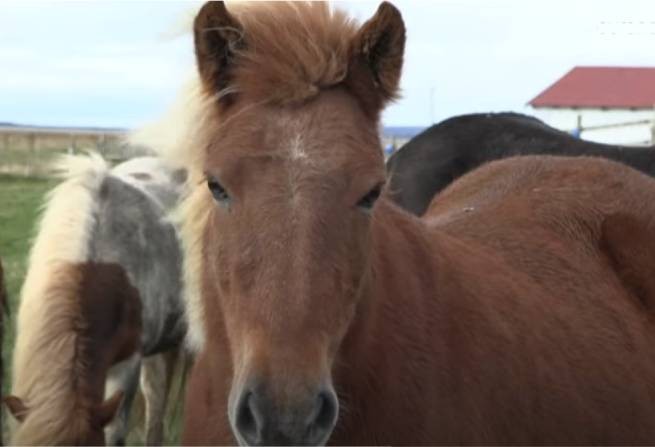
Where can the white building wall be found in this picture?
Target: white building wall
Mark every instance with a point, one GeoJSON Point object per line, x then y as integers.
{"type": "Point", "coordinates": [567, 120]}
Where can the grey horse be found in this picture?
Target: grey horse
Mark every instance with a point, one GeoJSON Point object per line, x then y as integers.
{"type": "Point", "coordinates": [134, 230]}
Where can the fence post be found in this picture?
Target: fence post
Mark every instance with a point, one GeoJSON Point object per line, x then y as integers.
{"type": "Point", "coordinates": [577, 132]}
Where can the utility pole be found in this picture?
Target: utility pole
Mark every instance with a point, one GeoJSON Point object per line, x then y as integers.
{"type": "Point", "coordinates": [578, 127]}
{"type": "Point", "coordinates": [431, 106]}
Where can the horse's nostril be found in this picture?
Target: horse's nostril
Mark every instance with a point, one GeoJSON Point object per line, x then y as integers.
{"type": "Point", "coordinates": [324, 417]}
{"type": "Point", "coordinates": [247, 421]}
{"type": "Point", "coordinates": [326, 410]}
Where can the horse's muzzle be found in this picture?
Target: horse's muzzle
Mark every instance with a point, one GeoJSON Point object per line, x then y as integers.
{"type": "Point", "coordinates": [258, 420]}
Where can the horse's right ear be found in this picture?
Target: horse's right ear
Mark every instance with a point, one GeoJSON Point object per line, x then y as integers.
{"type": "Point", "coordinates": [16, 407]}
{"type": "Point", "coordinates": [217, 35]}
{"type": "Point", "coordinates": [380, 46]}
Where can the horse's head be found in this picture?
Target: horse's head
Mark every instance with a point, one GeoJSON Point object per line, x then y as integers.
{"type": "Point", "coordinates": [292, 169]}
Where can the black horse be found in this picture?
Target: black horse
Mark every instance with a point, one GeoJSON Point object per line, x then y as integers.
{"type": "Point", "coordinates": [446, 151]}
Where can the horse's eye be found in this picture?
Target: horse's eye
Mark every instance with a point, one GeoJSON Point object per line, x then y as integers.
{"type": "Point", "coordinates": [367, 202]}
{"type": "Point", "coordinates": [217, 190]}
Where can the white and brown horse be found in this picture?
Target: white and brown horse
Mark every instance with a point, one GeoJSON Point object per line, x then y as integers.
{"type": "Point", "coordinates": [103, 290]}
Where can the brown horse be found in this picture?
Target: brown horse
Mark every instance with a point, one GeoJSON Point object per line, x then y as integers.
{"type": "Point", "coordinates": [518, 311]}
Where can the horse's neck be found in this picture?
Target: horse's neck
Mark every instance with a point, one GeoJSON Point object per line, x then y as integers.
{"type": "Point", "coordinates": [400, 291]}
{"type": "Point", "coordinates": [399, 323]}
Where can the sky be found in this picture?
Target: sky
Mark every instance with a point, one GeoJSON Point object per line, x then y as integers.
{"type": "Point", "coordinates": [120, 63]}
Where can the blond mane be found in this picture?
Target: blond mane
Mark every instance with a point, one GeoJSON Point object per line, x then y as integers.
{"type": "Point", "coordinates": [46, 368]}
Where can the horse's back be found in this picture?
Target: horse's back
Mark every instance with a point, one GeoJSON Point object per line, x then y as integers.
{"type": "Point", "coordinates": [553, 258]}
{"type": "Point", "coordinates": [571, 224]}
{"type": "Point", "coordinates": [575, 183]}
{"type": "Point", "coordinates": [570, 198]}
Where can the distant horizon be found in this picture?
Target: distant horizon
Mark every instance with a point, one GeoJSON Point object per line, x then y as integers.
{"type": "Point", "coordinates": [10, 124]}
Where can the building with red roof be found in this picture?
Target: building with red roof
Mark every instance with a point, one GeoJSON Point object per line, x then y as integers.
{"type": "Point", "coordinates": [630, 88]}
{"type": "Point", "coordinates": [609, 104]}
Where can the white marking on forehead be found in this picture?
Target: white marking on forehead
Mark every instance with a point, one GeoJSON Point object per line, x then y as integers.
{"type": "Point", "coordinates": [295, 129]}
{"type": "Point", "coordinates": [296, 149]}
{"type": "Point", "coordinates": [297, 155]}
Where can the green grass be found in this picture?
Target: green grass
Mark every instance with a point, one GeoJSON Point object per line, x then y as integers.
{"type": "Point", "coordinates": [20, 201]}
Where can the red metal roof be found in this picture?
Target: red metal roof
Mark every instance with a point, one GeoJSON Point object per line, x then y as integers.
{"type": "Point", "coordinates": [601, 87]}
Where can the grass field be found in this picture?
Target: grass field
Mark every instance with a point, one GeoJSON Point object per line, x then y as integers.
{"type": "Point", "coordinates": [20, 201]}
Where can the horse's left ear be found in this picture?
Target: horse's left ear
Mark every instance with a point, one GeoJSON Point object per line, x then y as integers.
{"type": "Point", "coordinates": [107, 411]}
{"type": "Point", "coordinates": [380, 46]}
{"type": "Point", "coordinates": [217, 35]}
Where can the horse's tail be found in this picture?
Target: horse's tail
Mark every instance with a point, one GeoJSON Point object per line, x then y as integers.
{"type": "Point", "coordinates": [44, 334]}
